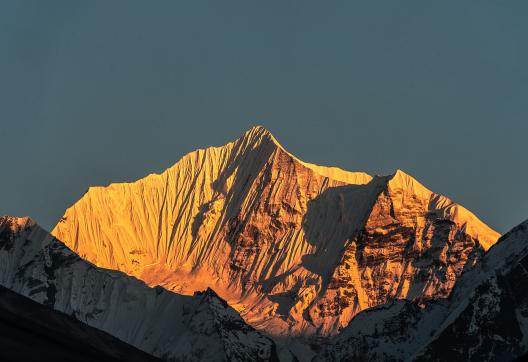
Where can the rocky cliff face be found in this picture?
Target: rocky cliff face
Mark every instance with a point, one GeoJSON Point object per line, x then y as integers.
{"type": "Point", "coordinates": [484, 319]}
{"type": "Point", "coordinates": [174, 327]}
{"type": "Point", "coordinates": [296, 248]}
{"type": "Point", "coordinates": [489, 311]}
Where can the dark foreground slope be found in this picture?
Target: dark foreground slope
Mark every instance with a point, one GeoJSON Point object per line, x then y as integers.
{"type": "Point", "coordinates": [30, 331]}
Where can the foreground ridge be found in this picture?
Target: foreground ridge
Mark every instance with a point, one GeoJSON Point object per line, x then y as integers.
{"type": "Point", "coordinates": [31, 331]}
{"type": "Point", "coordinates": [483, 320]}
{"type": "Point", "coordinates": [296, 248]}
{"type": "Point", "coordinates": [170, 326]}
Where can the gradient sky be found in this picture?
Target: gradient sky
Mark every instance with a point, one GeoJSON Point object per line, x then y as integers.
{"type": "Point", "coordinates": [106, 91]}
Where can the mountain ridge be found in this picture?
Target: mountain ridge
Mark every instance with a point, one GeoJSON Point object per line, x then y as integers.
{"type": "Point", "coordinates": [483, 319]}
{"type": "Point", "coordinates": [170, 326]}
{"type": "Point", "coordinates": [31, 331]}
{"type": "Point", "coordinates": [296, 248]}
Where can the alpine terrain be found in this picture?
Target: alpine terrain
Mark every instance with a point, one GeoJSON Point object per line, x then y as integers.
{"type": "Point", "coordinates": [167, 325]}
{"type": "Point", "coordinates": [485, 318]}
{"type": "Point", "coordinates": [297, 249]}
{"type": "Point", "coordinates": [30, 331]}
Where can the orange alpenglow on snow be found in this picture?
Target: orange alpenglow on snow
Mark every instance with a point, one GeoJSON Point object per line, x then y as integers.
{"type": "Point", "coordinates": [298, 249]}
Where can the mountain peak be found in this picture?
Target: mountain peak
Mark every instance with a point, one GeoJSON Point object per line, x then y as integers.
{"type": "Point", "coordinates": [15, 223]}
{"type": "Point", "coordinates": [404, 185]}
{"type": "Point", "coordinates": [254, 222]}
{"type": "Point", "coordinates": [258, 133]}
{"type": "Point", "coordinates": [259, 128]}
{"type": "Point", "coordinates": [402, 180]}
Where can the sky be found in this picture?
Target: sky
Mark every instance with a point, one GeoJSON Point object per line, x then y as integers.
{"type": "Point", "coordinates": [110, 91]}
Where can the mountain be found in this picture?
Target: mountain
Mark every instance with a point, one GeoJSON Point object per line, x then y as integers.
{"type": "Point", "coordinates": [30, 331]}
{"type": "Point", "coordinates": [173, 327]}
{"type": "Point", "coordinates": [296, 248]}
{"type": "Point", "coordinates": [485, 318]}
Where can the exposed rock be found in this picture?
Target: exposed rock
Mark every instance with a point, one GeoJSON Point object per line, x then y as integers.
{"type": "Point", "coordinates": [171, 326]}
{"type": "Point", "coordinates": [484, 319]}
{"type": "Point", "coordinates": [296, 248]}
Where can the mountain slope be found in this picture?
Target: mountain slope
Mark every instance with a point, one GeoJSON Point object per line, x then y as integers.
{"type": "Point", "coordinates": [174, 327]}
{"type": "Point", "coordinates": [491, 321]}
{"type": "Point", "coordinates": [296, 248]}
{"type": "Point", "coordinates": [485, 318]}
{"type": "Point", "coordinates": [30, 331]}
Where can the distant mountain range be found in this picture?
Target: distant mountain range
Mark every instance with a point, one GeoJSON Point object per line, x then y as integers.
{"type": "Point", "coordinates": [246, 253]}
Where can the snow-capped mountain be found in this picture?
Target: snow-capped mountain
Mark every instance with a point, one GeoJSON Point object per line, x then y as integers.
{"type": "Point", "coordinates": [485, 318]}
{"type": "Point", "coordinates": [174, 327]}
{"type": "Point", "coordinates": [296, 248]}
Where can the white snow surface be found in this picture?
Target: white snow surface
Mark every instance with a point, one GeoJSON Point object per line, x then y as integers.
{"type": "Point", "coordinates": [168, 325]}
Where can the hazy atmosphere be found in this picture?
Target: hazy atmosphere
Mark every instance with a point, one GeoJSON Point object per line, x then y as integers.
{"type": "Point", "coordinates": [101, 92]}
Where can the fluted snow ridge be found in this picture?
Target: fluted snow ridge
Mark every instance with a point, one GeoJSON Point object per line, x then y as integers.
{"type": "Point", "coordinates": [171, 326]}
{"type": "Point", "coordinates": [296, 248]}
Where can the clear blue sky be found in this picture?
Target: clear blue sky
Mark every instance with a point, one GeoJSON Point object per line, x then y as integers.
{"type": "Point", "coordinates": [105, 91]}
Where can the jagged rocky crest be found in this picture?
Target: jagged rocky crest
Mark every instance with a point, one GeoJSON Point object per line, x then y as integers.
{"type": "Point", "coordinates": [174, 327]}
{"type": "Point", "coordinates": [485, 318]}
{"type": "Point", "coordinates": [297, 249]}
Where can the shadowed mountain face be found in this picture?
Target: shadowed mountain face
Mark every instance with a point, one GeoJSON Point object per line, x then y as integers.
{"type": "Point", "coordinates": [296, 248]}
{"type": "Point", "coordinates": [30, 331]}
{"type": "Point", "coordinates": [484, 319]}
{"type": "Point", "coordinates": [170, 326]}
